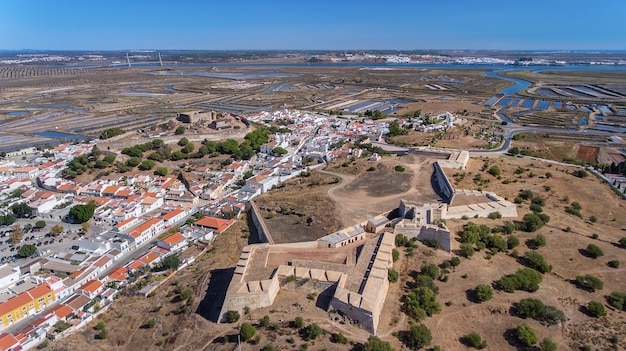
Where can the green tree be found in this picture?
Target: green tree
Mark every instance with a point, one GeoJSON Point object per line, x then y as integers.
{"type": "Point", "coordinates": [265, 321]}
{"type": "Point", "coordinates": [512, 242]}
{"type": "Point", "coordinates": [430, 269]}
{"type": "Point", "coordinates": [40, 224]}
{"type": "Point", "coordinates": [180, 130]}
{"type": "Point", "coordinates": [232, 316]}
{"type": "Point", "coordinates": [298, 322]}
{"type": "Point", "coordinates": [594, 251]}
{"type": "Point", "coordinates": [375, 344]}
{"type": "Point", "coordinates": [171, 262]}
{"type": "Point", "coordinates": [474, 340]}
{"type": "Point", "coordinates": [532, 222]}
{"type": "Point", "coordinates": [547, 345]}
{"type": "Point", "coordinates": [596, 309]}
{"type": "Point", "coordinates": [418, 336]}
{"type": "Point", "coordinates": [467, 250]}
{"type": "Point", "coordinates": [147, 165]}
{"type": "Point", "coordinates": [81, 213]}
{"type": "Point", "coordinates": [530, 308]}
{"type": "Point", "coordinates": [161, 171]}
{"type": "Point", "coordinates": [21, 210]}
{"type": "Point", "coordinates": [494, 171]}
{"type": "Point", "coordinates": [536, 261]}
{"type": "Point", "coordinates": [589, 282]}
{"type": "Point", "coordinates": [395, 129]}
{"type": "Point", "coordinates": [395, 255]}
{"type": "Point", "coordinates": [455, 261]}
{"type": "Point", "coordinates": [247, 331]}
{"type": "Point", "coordinates": [422, 302]}
{"type": "Point", "coordinates": [483, 292]}
{"type": "Point", "coordinates": [338, 338]}
{"type": "Point", "coordinates": [526, 335]}
{"type": "Point", "coordinates": [27, 250]}
{"type": "Point", "coordinates": [279, 151]}
{"type": "Point", "coordinates": [539, 241]}
{"type": "Point", "coordinates": [622, 242]}
{"type": "Point", "coordinates": [392, 275]}
{"type": "Point", "coordinates": [312, 331]}
{"type": "Point", "coordinates": [133, 162]}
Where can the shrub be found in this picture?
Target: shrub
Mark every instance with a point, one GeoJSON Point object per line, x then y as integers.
{"type": "Point", "coordinates": [593, 219]}
{"type": "Point", "coordinates": [100, 326]}
{"type": "Point", "coordinates": [580, 173]}
{"type": "Point", "coordinates": [395, 254]}
{"type": "Point", "coordinates": [312, 331]}
{"type": "Point", "coordinates": [526, 279]}
{"type": "Point", "coordinates": [536, 261]}
{"type": "Point", "coordinates": [247, 331]}
{"type": "Point", "coordinates": [467, 250]}
{"type": "Point", "coordinates": [596, 309]}
{"type": "Point", "coordinates": [338, 338]}
{"type": "Point", "coordinates": [483, 292]}
{"type": "Point", "coordinates": [474, 340]}
{"type": "Point", "coordinates": [399, 168]}
{"type": "Point", "coordinates": [102, 334]}
{"type": "Point", "coordinates": [151, 323]}
{"type": "Point", "coordinates": [613, 264]}
{"type": "Point", "coordinates": [589, 282]}
{"type": "Point", "coordinates": [622, 242]}
{"type": "Point", "coordinates": [430, 270]}
{"type": "Point", "coordinates": [594, 251]}
{"type": "Point", "coordinates": [512, 242]}
{"type": "Point", "coordinates": [618, 300]}
{"type": "Point", "coordinates": [530, 308]}
{"type": "Point", "coordinates": [532, 222]}
{"type": "Point", "coordinates": [494, 215]}
{"type": "Point", "coordinates": [232, 316]}
{"type": "Point", "coordinates": [547, 345]}
{"type": "Point", "coordinates": [375, 344]}
{"type": "Point", "coordinates": [371, 169]}
{"type": "Point", "coordinates": [265, 321]}
{"type": "Point", "coordinates": [421, 303]}
{"type": "Point", "coordinates": [418, 336]}
{"type": "Point", "coordinates": [526, 335]}
{"type": "Point", "coordinates": [392, 275]}
{"type": "Point", "coordinates": [536, 208]}
{"type": "Point", "coordinates": [455, 261]}
{"type": "Point", "coordinates": [298, 322]}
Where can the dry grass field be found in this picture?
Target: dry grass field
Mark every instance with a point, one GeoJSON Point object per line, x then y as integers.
{"type": "Point", "coordinates": [567, 237]}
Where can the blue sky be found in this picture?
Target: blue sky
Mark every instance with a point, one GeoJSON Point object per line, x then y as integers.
{"type": "Point", "coordinates": [320, 24]}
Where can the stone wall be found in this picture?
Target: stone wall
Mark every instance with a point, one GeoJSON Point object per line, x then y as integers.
{"type": "Point", "coordinates": [257, 220]}
{"type": "Point", "coordinates": [439, 234]}
{"type": "Point", "coordinates": [443, 183]}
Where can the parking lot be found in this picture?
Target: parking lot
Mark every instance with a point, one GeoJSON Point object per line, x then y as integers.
{"type": "Point", "coordinates": [41, 238]}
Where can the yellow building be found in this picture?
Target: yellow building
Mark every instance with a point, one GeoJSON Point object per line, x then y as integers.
{"type": "Point", "coordinates": [31, 301]}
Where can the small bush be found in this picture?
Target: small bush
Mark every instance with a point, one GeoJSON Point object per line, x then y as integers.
{"type": "Point", "coordinates": [455, 261]}
{"type": "Point", "coordinates": [596, 309]}
{"type": "Point", "coordinates": [338, 338]}
{"type": "Point", "coordinates": [613, 264]}
{"type": "Point", "coordinates": [312, 331]}
{"type": "Point", "coordinates": [247, 331]}
{"type": "Point", "coordinates": [494, 215]}
{"type": "Point", "coordinates": [395, 254]}
{"type": "Point", "coordinates": [265, 321]}
{"type": "Point", "coordinates": [474, 340]}
{"type": "Point", "coordinates": [232, 316]}
{"type": "Point", "coordinates": [618, 300]}
{"type": "Point", "coordinates": [467, 250]}
{"type": "Point", "coordinates": [594, 251]}
{"type": "Point", "coordinates": [392, 275]}
{"type": "Point", "coordinates": [622, 242]}
{"type": "Point", "coordinates": [547, 345]}
{"type": "Point", "coordinates": [589, 282]}
{"type": "Point", "coordinates": [399, 168]}
{"type": "Point", "coordinates": [298, 322]}
{"type": "Point", "coordinates": [371, 169]}
{"type": "Point", "coordinates": [483, 292]}
{"type": "Point", "coordinates": [526, 335]}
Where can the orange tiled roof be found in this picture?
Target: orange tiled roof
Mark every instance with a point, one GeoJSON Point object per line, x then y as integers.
{"type": "Point", "coordinates": [14, 303]}
{"type": "Point", "coordinates": [174, 239]}
{"type": "Point", "coordinates": [118, 274]}
{"type": "Point", "coordinates": [7, 341]}
{"type": "Point", "coordinates": [91, 286]}
{"type": "Point", "coordinates": [125, 222]}
{"type": "Point", "coordinates": [62, 311]}
{"type": "Point", "coordinates": [172, 214]}
{"type": "Point", "coordinates": [216, 223]}
{"type": "Point", "coordinates": [102, 261]}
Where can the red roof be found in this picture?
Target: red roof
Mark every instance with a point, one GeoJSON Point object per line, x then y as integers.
{"type": "Point", "coordinates": [144, 227]}
{"type": "Point", "coordinates": [102, 261]}
{"type": "Point", "coordinates": [172, 214]}
{"type": "Point", "coordinates": [7, 341]}
{"type": "Point", "coordinates": [39, 290]}
{"type": "Point", "coordinates": [118, 274]}
{"type": "Point", "coordinates": [125, 222]}
{"type": "Point", "coordinates": [14, 303]}
{"type": "Point", "coordinates": [174, 239]}
{"type": "Point", "coordinates": [62, 311]}
{"type": "Point", "coordinates": [215, 223]}
{"type": "Point", "coordinates": [91, 286]}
